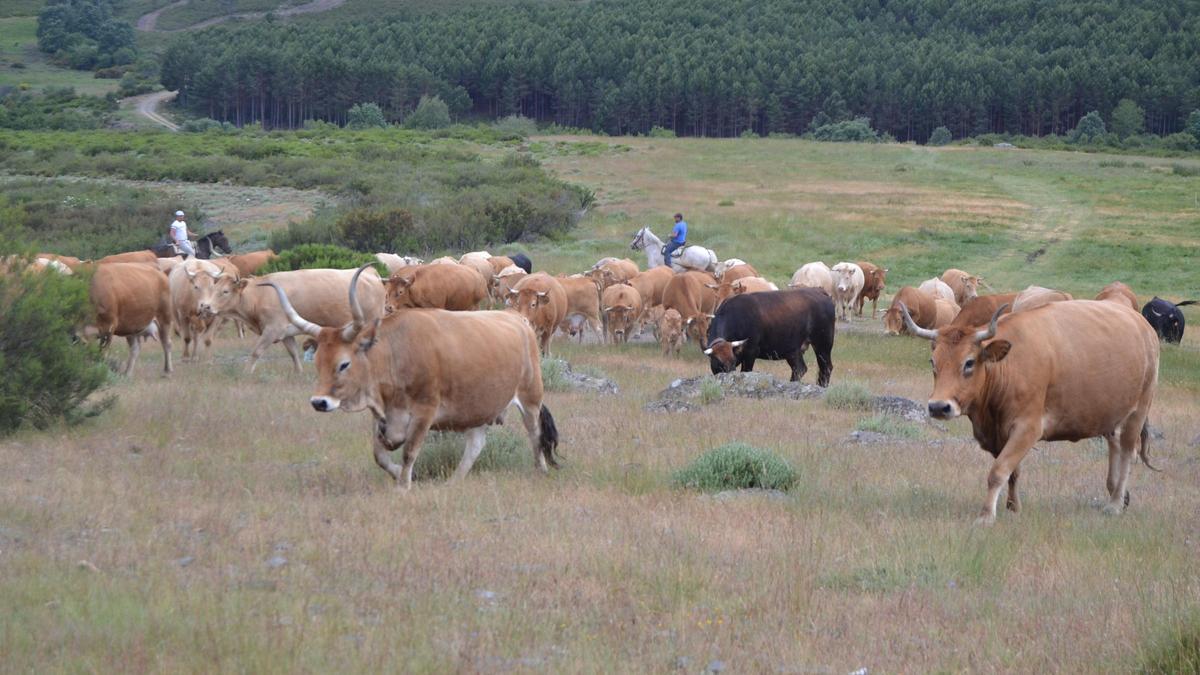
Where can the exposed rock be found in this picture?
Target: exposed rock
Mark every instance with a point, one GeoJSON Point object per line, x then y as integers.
{"type": "Point", "coordinates": [185, 561]}
{"type": "Point", "coordinates": [582, 381]}
{"type": "Point", "coordinates": [670, 406]}
{"type": "Point", "coordinates": [901, 407]}
{"type": "Point", "coordinates": [716, 666]}
{"type": "Point", "coordinates": [275, 562]}
{"type": "Point", "coordinates": [868, 437]}
{"type": "Point", "coordinates": [686, 394]}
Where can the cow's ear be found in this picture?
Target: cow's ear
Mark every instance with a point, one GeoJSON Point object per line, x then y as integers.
{"type": "Point", "coordinates": [366, 337]}
{"type": "Point", "coordinates": [310, 345]}
{"type": "Point", "coordinates": [400, 282]}
{"type": "Point", "coordinates": [240, 284]}
{"type": "Point", "coordinates": [996, 350]}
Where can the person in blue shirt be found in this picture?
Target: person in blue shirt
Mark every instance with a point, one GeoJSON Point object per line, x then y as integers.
{"type": "Point", "coordinates": [678, 238]}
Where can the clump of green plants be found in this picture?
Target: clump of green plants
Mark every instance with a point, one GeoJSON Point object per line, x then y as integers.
{"type": "Point", "coordinates": [1176, 650]}
{"type": "Point", "coordinates": [554, 375]}
{"type": "Point", "coordinates": [515, 127]}
{"type": "Point", "coordinates": [889, 426]}
{"type": "Point", "coordinates": [736, 466]}
{"type": "Point", "coordinates": [725, 202]}
{"type": "Point", "coordinates": [940, 136]}
{"type": "Point", "coordinates": [49, 375]}
{"type": "Point", "coordinates": [315, 256]}
{"type": "Point", "coordinates": [711, 391]}
{"type": "Point", "coordinates": [504, 450]}
{"type": "Point", "coordinates": [431, 113]}
{"type": "Point", "coordinates": [365, 116]}
{"type": "Point", "coordinates": [848, 396]}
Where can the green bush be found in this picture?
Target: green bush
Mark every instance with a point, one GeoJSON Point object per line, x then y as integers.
{"type": "Point", "coordinates": [377, 231]}
{"type": "Point", "coordinates": [515, 127]}
{"type": "Point", "coordinates": [504, 450]}
{"type": "Point", "coordinates": [1089, 129]}
{"type": "Point", "coordinates": [1193, 124]}
{"type": "Point", "coordinates": [1177, 650]}
{"type": "Point", "coordinates": [431, 113]}
{"type": "Point", "coordinates": [940, 136]}
{"type": "Point", "coordinates": [848, 396]}
{"type": "Point", "coordinates": [736, 466]}
{"type": "Point", "coordinates": [203, 124]}
{"type": "Point", "coordinates": [1181, 141]}
{"type": "Point", "coordinates": [857, 130]}
{"type": "Point", "coordinates": [1182, 170]}
{"type": "Point", "coordinates": [319, 256]}
{"type": "Point", "coordinates": [365, 116]}
{"type": "Point", "coordinates": [711, 391]}
{"type": "Point", "coordinates": [554, 375]}
{"type": "Point", "coordinates": [889, 426]}
{"type": "Point", "coordinates": [660, 132]}
{"type": "Point", "coordinates": [48, 374]}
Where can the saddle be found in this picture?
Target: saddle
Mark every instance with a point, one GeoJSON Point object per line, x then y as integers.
{"type": "Point", "coordinates": [678, 252]}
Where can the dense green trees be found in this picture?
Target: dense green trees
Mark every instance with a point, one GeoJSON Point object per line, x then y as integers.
{"type": "Point", "coordinates": [84, 34]}
{"type": "Point", "coordinates": [717, 67]}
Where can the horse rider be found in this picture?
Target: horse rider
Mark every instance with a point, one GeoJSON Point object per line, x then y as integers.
{"type": "Point", "coordinates": [678, 239]}
{"type": "Point", "coordinates": [181, 235]}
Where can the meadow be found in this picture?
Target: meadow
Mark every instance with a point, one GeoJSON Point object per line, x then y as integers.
{"type": "Point", "coordinates": [213, 522]}
{"type": "Point", "coordinates": [18, 45]}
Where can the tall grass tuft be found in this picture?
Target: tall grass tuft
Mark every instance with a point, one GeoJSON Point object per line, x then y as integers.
{"type": "Point", "coordinates": [711, 391]}
{"type": "Point", "coordinates": [1177, 650]}
{"type": "Point", "coordinates": [554, 375]}
{"type": "Point", "coordinates": [736, 466]}
{"type": "Point", "coordinates": [848, 396]}
{"type": "Point", "coordinates": [505, 450]}
{"type": "Point", "coordinates": [888, 425]}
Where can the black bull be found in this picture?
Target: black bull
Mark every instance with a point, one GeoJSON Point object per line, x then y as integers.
{"type": "Point", "coordinates": [1166, 318]}
{"type": "Point", "coordinates": [773, 325]}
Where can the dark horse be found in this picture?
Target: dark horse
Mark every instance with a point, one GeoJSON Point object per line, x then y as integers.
{"type": "Point", "coordinates": [204, 246]}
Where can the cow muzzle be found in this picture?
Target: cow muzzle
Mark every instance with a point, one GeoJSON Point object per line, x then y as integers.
{"type": "Point", "coordinates": [943, 410]}
{"type": "Point", "coordinates": [324, 403]}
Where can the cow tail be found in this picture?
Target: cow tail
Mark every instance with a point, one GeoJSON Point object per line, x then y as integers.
{"type": "Point", "coordinates": [547, 436]}
{"type": "Point", "coordinates": [1143, 452]}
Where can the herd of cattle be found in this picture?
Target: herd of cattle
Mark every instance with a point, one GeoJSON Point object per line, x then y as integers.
{"type": "Point", "coordinates": [422, 351]}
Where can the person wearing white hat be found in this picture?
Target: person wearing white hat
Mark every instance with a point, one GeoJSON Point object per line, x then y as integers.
{"type": "Point", "coordinates": [181, 235]}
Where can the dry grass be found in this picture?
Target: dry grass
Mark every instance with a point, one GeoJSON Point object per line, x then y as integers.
{"type": "Point", "coordinates": [180, 498]}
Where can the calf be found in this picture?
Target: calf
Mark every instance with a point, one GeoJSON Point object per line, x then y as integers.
{"type": "Point", "coordinates": [778, 325]}
{"type": "Point", "coordinates": [670, 332]}
{"type": "Point", "coordinates": [688, 293]}
{"type": "Point", "coordinates": [965, 286]}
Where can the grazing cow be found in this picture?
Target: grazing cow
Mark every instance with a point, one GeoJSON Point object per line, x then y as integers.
{"type": "Point", "coordinates": [977, 312]}
{"type": "Point", "coordinates": [128, 299]}
{"type": "Point", "coordinates": [964, 285]}
{"type": "Point", "coordinates": [499, 262]}
{"type": "Point", "coordinates": [521, 260]}
{"type": "Point", "coordinates": [650, 286]}
{"type": "Point", "coordinates": [583, 306]}
{"type": "Point", "coordinates": [71, 262]}
{"type": "Point", "coordinates": [1119, 293]}
{"type": "Point", "coordinates": [847, 284]}
{"type": "Point", "coordinates": [429, 369]}
{"type": "Point", "coordinates": [922, 306]}
{"type": "Point", "coordinates": [394, 262]}
{"type": "Point", "coordinates": [253, 262]}
{"type": "Point", "coordinates": [452, 287]}
{"type": "Point", "coordinates": [622, 306]}
{"type": "Point", "coordinates": [144, 256]}
{"type": "Point", "coordinates": [874, 280]}
{"type": "Point", "coordinates": [779, 325]}
{"type": "Point", "coordinates": [445, 260]}
{"type": "Point", "coordinates": [813, 275]}
{"type": "Point", "coordinates": [1166, 318]}
{"type": "Point", "coordinates": [727, 265]}
{"type": "Point", "coordinates": [670, 332]}
{"type": "Point", "coordinates": [319, 293]}
{"type": "Point", "coordinates": [193, 286]}
{"type": "Point", "coordinates": [1036, 296]}
{"type": "Point", "coordinates": [743, 271]}
{"type": "Point", "coordinates": [503, 282]}
{"type": "Point", "coordinates": [542, 301]}
{"type": "Point", "coordinates": [688, 293]}
{"type": "Point", "coordinates": [727, 289]}
{"type": "Point", "coordinates": [1065, 371]}
{"type": "Point", "coordinates": [936, 288]}
{"type": "Point", "coordinates": [946, 310]}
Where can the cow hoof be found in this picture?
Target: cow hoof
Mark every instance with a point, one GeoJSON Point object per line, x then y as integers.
{"type": "Point", "coordinates": [1015, 507]}
{"type": "Point", "coordinates": [1127, 498]}
{"type": "Point", "coordinates": [1111, 509]}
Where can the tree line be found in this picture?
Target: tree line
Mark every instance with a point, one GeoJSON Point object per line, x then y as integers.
{"type": "Point", "coordinates": [717, 67]}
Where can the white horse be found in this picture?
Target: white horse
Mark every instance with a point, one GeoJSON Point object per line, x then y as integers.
{"type": "Point", "coordinates": [693, 257]}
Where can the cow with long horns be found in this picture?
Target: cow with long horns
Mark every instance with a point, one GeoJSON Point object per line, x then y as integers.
{"type": "Point", "coordinates": [1065, 371]}
{"type": "Point", "coordinates": [423, 369]}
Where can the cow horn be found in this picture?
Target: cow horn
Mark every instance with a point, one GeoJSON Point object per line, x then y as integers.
{"type": "Point", "coordinates": [191, 274]}
{"type": "Point", "coordinates": [356, 309]}
{"type": "Point", "coordinates": [913, 327]}
{"type": "Point", "coordinates": [1155, 312]}
{"type": "Point", "coordinates": [298, 321]}
{"type": "Point", "coordinates": [738, 343]}
{"type": "Point", "coordinates": [990, 331]}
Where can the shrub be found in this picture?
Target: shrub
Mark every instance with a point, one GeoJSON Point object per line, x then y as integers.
{"type": "Point", "coordinates": [850, 131]}
{"type": "Point", "coordinates": [504, 450]}
{"type": "Point", "coordinates": [431, 113]}
{"type": "Point", "coordinates": [364, 116]}
{"type": "Point", "coordinates": [736, 466]}
{"type": "Point", "coordinates": [1193, 123]}
{"type": "Point", "coordinates": [725, 202]}
{"type": "Point", "coordinates": [1181, 141]}
{"type": "Point", "coordinates": [311, 256]}
{"type": "Point", "coordinates": [1128, 118]}
{"type": "Point", "coordinates": [940, 136]}
{"type": "Point", "coordinates": [711, 391]}
{"type": "Point", "coordinates": [515, 127]}
{"type": "Point", "coordinates": [554, 375]}
{"type": "Point", "coordinates": [748, 134]}
{"type": "Point", "coordinates": [48, 374]}
{"type": "Point", "coordinates": [377, 231]}
{"type": "Point", "coordinates": [1177, 650]}
{"type": "Point", "coordinates": [1182, 170]}
{"type": "Point", "coordinates": [848, 396]}
{"type": "Point", "coordinates": [660, 132]}
{"type": "Point", "coordinates": [1089, 129]}
{"type": "Point", "coordinates": [201, 125]}
{"type": "Point", "coordinates": [888, 426]}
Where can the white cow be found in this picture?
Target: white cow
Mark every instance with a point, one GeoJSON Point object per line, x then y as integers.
{"type": "Point", "coordinates": [848, 281]}
{"type": "Point", "coordinates": [813, 275]}
{"type": "Point", "coordinates": [937, 288]}
{"type": "Point", "coordinates": [394, 262]}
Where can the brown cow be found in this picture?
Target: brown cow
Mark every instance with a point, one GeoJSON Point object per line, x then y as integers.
{"type": "Point", "coordinates": [144, 256]}
{"type": "Point", "coordinates": [71, 262]}
{"type": "Point", "coordinates": [128, 298]}
{"type": "Point", "coordinates": [250, 263]}
{"type": "Point", "coordinates": [874, 280]}
{"type": "Point", "coordinates": [688, 293]}
{"type": "Point", "coordinates": [964, 285]}
{"type": "Point", "coordinates": [651, 284]}
{"type": "Point", "coordinates": [743, 271]}
{"type": "Point", "coordinates": [429, 369]}
{"type": "Point", "coordinates": [670, 332]}
{"type": "Point", "coordinates": [622, 306]}
{"type": "Point", "coordinates": [1036, 296]}
{"type": "Point", "coordinates": [452, 287]}
{"type": "Point", "coordinates": [1119, 293]}
{"type": "Point", "coordinates": [193, 287]}
{"type": "Point", "coordinates": [320, 293]}
{"type": "Point", "coordinates": [978, 311]}
{"type": "Point", "coordinates": [1065, 371]}
{"type": "Point", "coordinates": [728, 289]}
{"type": "Point", "coordinates": [542, 301]}
{"type": "Point", "coordinates": [920, 304]}
{"type": "Point", "coordinates": [611, 271]}
{"type": "Point", "coordinates": [583, 305]}
{"type": "Point", "coordinates": [478, 261]}
{"type": "Point", "coordinates": [499, 262]}
{"type": "Point", "coordinates": [504, 281]}
{"type": "Point", "coordinates": [946, 311]}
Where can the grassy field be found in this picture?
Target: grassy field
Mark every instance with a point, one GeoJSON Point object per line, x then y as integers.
{"type": "Point", "coordinates": [212, 521]}
{"type": "Point", "coordinates": [18, 44]}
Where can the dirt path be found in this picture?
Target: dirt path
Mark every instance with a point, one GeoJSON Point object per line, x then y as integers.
{"type": "Point", "coordinates": [147, 106]}
{"type": "Point", "coordinates": [148, 22]}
